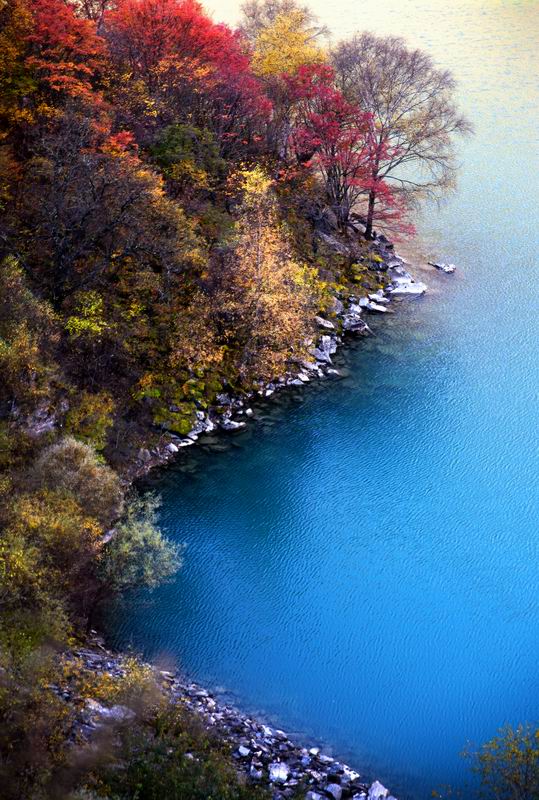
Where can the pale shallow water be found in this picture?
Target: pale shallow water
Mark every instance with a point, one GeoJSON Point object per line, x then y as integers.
{"type": "Point", "coordinates": [363, 563]}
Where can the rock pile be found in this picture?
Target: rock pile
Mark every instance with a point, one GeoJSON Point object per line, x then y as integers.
{"type": "Point", "coordinates": [265, 755]}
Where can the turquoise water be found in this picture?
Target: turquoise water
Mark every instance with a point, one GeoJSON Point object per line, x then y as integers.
{"type": "Point", "coordinates": [362, 564]}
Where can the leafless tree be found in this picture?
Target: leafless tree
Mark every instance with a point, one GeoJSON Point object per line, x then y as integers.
{"type": "Point", "coordinates": [258, 14]}
{"type": "Point", "coordinates": [414, 116]}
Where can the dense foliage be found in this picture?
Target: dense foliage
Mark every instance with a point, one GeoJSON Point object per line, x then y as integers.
{"type": "Point", "coordinates": [161, 180]}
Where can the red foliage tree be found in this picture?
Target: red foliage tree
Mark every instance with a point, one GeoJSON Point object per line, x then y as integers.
{"type": "Point", "coordinates": [339, 140]}
{"type": "Point", "coordinates": [193, 69]}
{"type": "Point", "coordinates": [331, 134]}
{"type": "Point", "coordinates": [66, 53]}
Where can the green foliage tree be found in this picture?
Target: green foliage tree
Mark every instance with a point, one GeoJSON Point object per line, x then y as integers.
{"type": "Point", "coordinates": [28, 335]}
{"type": "Point", "coordinates": [508, 764]}
{"type": "Point", "coordinates": [137, 555]}
{"type": "Point", "coordinates": [188, 158]}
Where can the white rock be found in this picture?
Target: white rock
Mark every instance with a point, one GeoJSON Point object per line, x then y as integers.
{"type": "Point", "coordinates": [231, 425]}
{"type": "Point", "coordinates": [328, 345]}
{"type": "Point", "coordinates": [324, 323]}
{"type": "Point", "coordinates": [378, 297]}
{"type": "Point", "coordinates": [409, 287]}
{"type": "Point", "coordinates": [449, 269]}
{"type": "Point", "coordinates": [243, 751]}
{"type": "Point", "coordinates": [377, 791]}
{"type": "Point", "coordinates": [249, 412]}
{"type": "Point", "coordinates": [121, 714]}
{"type": "Point", "coordinates": [350, 774]}
{"type": "Point", "coordinates": [278, 773]}
{"type": "Point", "coordinates": [376, 307]}
{"type": "Point", "coordinates": [320, 355]}
{"type": "Point", "coordinates": [311, 366]}
{"type": "Point", "coordinates": [171, 448]}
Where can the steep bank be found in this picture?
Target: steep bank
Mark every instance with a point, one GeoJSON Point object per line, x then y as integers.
{"type": "Point", "coordinates": [388, 280]}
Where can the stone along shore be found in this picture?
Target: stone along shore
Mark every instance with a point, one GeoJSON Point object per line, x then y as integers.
{"type": "Point", "coordinates": [266, 756]}
{"type": "Point", "coordinates": [347, 320]}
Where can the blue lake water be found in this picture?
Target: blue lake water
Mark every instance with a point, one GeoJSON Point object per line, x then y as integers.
{"type": "Point", "coordinates": [362, 564]}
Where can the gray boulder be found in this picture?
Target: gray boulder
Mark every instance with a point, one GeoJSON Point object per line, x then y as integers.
{"type": "Point", "coordinates": [334, 790]}
{"type": "Point", "coordinates": [324, 323]}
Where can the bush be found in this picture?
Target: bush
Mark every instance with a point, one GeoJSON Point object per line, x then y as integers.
{"type": "Point", "coordinates": [174, 758]}
{"type": "Point", "coordinates": [508, 765]}
{"type": "Point", "coordinates": [72, 466]}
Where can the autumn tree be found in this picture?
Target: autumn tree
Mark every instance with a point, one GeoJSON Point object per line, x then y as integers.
{"type": "Point", "coordinates": [191, 70]}
{"type": "Point", "coordinates": [65, 54]}
{"type": "Point", "coordinates": [508, 765]}
{"type": "Point", "coordinates": [331, 134]}
{"type": "Point", "coordinates": [288, 42]}
{"type": "Point", "coordinates": [266, 299]}
{"type": "Point", "coordinates": [29, 334]}
{"type": "Point", "coordinates": [16, 79]}
{"type": "Point", "coordinates": [414, 117]}
{"type": "Point", "coordinates": [258, 15]}
{"type": "Point", "coordinates": [92, 206]}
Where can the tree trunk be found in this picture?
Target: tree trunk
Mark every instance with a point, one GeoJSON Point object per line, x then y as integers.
{"type": "Point", "coordinates": [370, 215]}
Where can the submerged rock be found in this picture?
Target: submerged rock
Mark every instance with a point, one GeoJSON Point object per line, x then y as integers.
{"type": "Point", "coordinates": [449, 269]}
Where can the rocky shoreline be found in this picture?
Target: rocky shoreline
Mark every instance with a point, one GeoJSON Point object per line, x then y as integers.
{"type": "Point", "coordinates": [233, 411]}
{"type": "Point", "coordinates": [264, 755]}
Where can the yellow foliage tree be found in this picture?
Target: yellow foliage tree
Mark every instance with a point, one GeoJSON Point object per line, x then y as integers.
{"type": "Point", "coordinates": [286, 44]}
{"type": "Point", "coordinates": [269, 299]}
